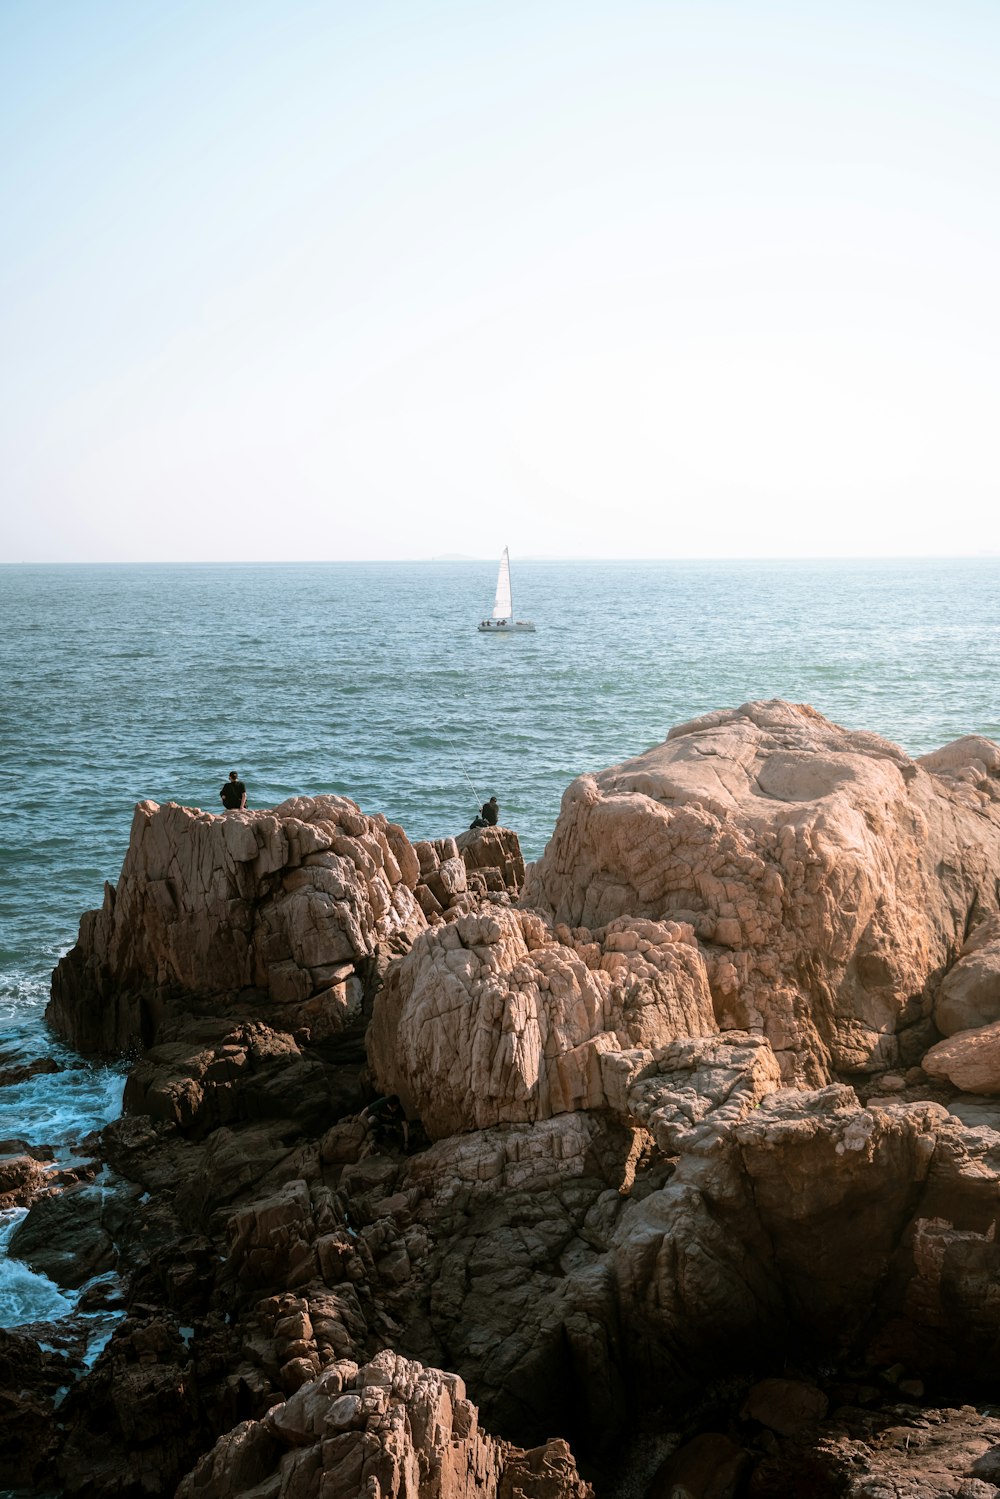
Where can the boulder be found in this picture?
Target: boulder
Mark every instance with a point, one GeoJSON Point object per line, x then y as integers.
{"type": "Point", "coordinates": [250, 1072]}
{"type": "Point", "coordinates": [69, 1237]}
{"type": "Point", "coordinates": [970, 1060]}
{"type": "Point", "coordinates": [834, 1187]}
{"type": "Point", "coordinates": [969, 996]}
{"type": "Point", "coordinates": [710, 1466]}
{"type": "Point", "coordinates": [692, 1093]}
{"type": "Point", "coordinates": [786, 1406]}
{"type": "Point", "coordinates": [134, 1426]}
{"type": "Point", "coordinates": [22, 1177]}
{"type": "Point", "coordinates": [283, 903]}
{"type": "Point", "coordinates": [829, 877]}
{"type": "Point", "coordinates": [495, 1018]}
{"type": "Point", "coordinates": [30, 1377]}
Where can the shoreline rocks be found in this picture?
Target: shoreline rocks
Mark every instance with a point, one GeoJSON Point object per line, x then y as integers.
{"type": "Point", "coordinates": [675, 1131]}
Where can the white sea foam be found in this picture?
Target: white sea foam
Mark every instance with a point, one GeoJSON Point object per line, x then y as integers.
{"type": "Point", "coordinates": [59, 1108]}
{"type": "Point", "coordinates": [25, 1296]}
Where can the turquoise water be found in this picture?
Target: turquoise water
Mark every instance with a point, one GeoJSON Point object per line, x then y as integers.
{"type": "Point", "coordinates": [118, 683]}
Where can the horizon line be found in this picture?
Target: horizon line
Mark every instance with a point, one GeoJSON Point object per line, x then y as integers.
{"type": "Point", "coordinates": [985, 555]}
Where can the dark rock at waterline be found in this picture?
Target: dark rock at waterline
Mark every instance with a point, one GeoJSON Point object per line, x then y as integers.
{"type": "Point", "coordinates": [21, 1178]}
{"type": "Point", "coordinates": [134, 1425]}
{"type": "Point", "coordinates": [24, 1071]}
{"type": "Point", "coordinates": [70, 1236]}
{"type": "Point", "coordinates": [30, 1378]}
{"type": "Point", "coordinates": [22, 1147]}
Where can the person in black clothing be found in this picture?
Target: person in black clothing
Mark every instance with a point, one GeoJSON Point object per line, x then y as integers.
{"type": "Point", "coordinates": [386, 1123]}
{"type": "Point", "coordinates": [489, 815]}
{"type": "Point", "coordinates": [234, 793]}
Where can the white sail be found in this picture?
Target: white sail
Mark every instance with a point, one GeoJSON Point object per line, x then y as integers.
{"type": "Point", "coordinates": [503, 608]}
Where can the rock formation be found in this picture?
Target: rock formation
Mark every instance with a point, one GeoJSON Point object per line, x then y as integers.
{"type": "Point", "coordinates": [685, 1162]}
{"type": "Point", "coordinates": [390, 1428]}
{"type": "Point", "coordinates": [496, 1018]}
{"type": "Point", "coordinates": [277, 913]}
{"type": "Point", "coordinates": [830, 879]}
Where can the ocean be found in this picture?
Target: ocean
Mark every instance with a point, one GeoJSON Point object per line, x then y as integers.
{"type": "Point", "coordinates": [119, 683]}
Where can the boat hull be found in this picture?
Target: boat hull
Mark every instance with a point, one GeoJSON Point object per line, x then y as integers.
{"type": "Point", "coordinates": [506, 627]}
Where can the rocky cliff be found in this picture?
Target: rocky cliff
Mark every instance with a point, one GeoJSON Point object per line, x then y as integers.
{"type": "Point", "coordinates": [687, 1156]}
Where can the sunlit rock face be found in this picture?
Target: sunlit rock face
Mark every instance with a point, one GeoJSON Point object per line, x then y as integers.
{"type": "Point", "coordinates": [391, 1429]}
{"type": "Point", "coordinates": [285, 903]}
{"type": "Point", "coordinates": [830, 879]}
{"type": "Point", "coordinates": [497, 1018]}
{"type": "Point", "coordinates": [665, 1127]}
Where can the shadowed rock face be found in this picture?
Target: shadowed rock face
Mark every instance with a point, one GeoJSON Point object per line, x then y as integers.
{"type": "Point", "coordinates": [630, 1191]}
{"type": "Point", "coordinates": [830, 879]}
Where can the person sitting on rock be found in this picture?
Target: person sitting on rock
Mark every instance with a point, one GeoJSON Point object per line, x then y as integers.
{"type": "Point", "coordinates": [234, 793]}
{"type": "Point", "coordinates": [489, 814]}
{"type": "Point", "coordinates": [386, 1122]}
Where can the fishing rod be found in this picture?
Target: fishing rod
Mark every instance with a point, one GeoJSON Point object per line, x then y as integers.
{"type": "Point", "coordinates": [469, 779]}
{"type": "Point", "coordinates": [462, 768]}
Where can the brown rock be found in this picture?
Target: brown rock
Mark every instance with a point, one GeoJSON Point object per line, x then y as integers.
{"type": "Point", "coordinates": [693, 1092]}
{"type": "Point", "coordinates": [495, 853]}
{"type": "Point", "coordinates": [490, 1019]}
{"type": "Point", "coordinates": [970, 1060]}
{"type": "Point", "coordinates": [210, 905]}
{"type": "Point", "coordinates": [710, 1466]}
{"type": "Point", "coordinates": [391, 1428]}
{"type": "Point", "coordinates": [69, 1236]}
{"type": "Point", "coordinates": [969, 996]}
{"type": "Point", "coordinates": [23, 1071]}
{"type": "Point", "coordinates": [816, 1159]}
{"type": "Point", "coordinates": [828, 875]}
{"type": "Point", "coordinates": [787, 1406]}
{"type": "Point", "coordinates": [21, 1178]}
{"type": "Point", "coordinates": [29, 1379]}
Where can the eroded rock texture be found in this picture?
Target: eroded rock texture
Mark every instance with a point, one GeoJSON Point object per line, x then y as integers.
{"type": "Point", "coordinates": [496, 1018]}
{"type": "Point", "coordinates": [667, 1135]}
{"type": "Point", "coordinates": [389, 1430]}
{"type": "Point", "coordinates": [830, 878]}
{"type": "Point", "coordinates": [284, 904]}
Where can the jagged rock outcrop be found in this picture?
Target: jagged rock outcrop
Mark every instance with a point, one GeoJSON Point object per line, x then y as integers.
{"type": "Point", "coordinates": [277, 912]}
{"type": "Point", "coordinates": [495, 1018]}
{"type": "Point", "coordinates": [284, 904]}
{"type": "Point", "coordinates": [628, 1190]}
{"type": "Point", "coordinates": [493, 862]}
{"type": "Point", "coordinates": [24, 1173]}
{"type": "Point", "coordinates": [830, 878]}
{"type": "Point", "coordinates": [389, 1430]}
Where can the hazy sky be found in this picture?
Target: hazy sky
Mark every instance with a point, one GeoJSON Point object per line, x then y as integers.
{"type": "Point", "coordinates": [298, 280]}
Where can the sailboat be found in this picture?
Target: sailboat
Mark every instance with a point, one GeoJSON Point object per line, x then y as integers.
{"type": "Point", "coordinates": [503, 621]}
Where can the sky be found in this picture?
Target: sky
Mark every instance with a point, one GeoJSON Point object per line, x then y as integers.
{"type": "Point", "coordinates": [288, 280]}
